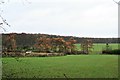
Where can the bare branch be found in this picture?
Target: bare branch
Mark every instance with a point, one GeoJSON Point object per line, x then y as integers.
{"type": "Point", "coordinates": [2, 2]}
{"type": "Point", "coordinates": [4, 21]}
{"type": "Point", "coordinates": [3, 28]}
{"type": "Point", "coordinates": [117, 2]}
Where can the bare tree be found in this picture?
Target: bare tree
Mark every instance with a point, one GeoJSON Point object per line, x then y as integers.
{"type": "Point", "coordinates": [3, 21]}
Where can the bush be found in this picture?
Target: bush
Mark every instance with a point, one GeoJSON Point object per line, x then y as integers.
{"type": "Point", "coordinates": [13, 54]}
{"type": "Point", "coordinates": [44, 54]}
{"type": "Point", "coordinates": [116, 51]}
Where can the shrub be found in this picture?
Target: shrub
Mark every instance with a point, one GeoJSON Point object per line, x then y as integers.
{"type": "Point", "coordinates": [44, 54]}
{"type": "Point", "coordinates": [116, 51]}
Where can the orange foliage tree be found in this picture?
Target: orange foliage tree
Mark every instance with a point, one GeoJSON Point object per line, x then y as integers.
{"type": "Point", "coordinates": [45, 44]}
{"type": "Point", "coordinates": [57, 44]}
{"type": "Point", "coordinates": [69, 46]}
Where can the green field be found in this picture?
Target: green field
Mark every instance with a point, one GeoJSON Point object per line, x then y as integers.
{"type": "Point", "coordinates": [97, 48]}
{"type": "Point", "coordinates": [73, 66]}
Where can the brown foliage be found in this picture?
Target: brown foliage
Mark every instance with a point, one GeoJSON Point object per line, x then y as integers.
{"type": "Point", "coordinates": [45, 44]}
{"type": "Point", "coordinates": [11, 42]}
{"type": "Point", "coordinates": [86, 46]}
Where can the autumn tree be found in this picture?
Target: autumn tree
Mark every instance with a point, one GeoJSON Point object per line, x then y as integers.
{"type": "Point", "coordinates": [57, 44]}
{"type": "Point", "coordinates": [10, 42]}
{"type": "Point", "coordinates": [69, 45]}
{"type": "Point", "coordinates": [61, 45]}
{"type": "Point", "coordinates": [87, 46]}
{"type": "Point", "coordinates": [43, 44]}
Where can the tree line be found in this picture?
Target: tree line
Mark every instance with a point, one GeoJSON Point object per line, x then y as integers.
{"type": "Point", "coordinates": [24, 39]}
{"type": "Point", "coordinates": [41, 44]}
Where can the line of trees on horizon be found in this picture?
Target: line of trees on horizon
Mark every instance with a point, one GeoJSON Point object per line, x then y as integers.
{"type": "Point", "coordinates": [24, 40]}
{"type": "Point", "coordinates": [44, 44]}
{"type": "Point", "coordinates": [41, 44]}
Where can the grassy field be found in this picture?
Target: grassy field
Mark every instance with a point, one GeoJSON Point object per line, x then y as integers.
{"type": "Point", "coordinates": [73, 66]}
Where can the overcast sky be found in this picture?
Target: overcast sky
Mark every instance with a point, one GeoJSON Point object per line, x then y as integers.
{"type": "Point", "coordinates": [82, 18]}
